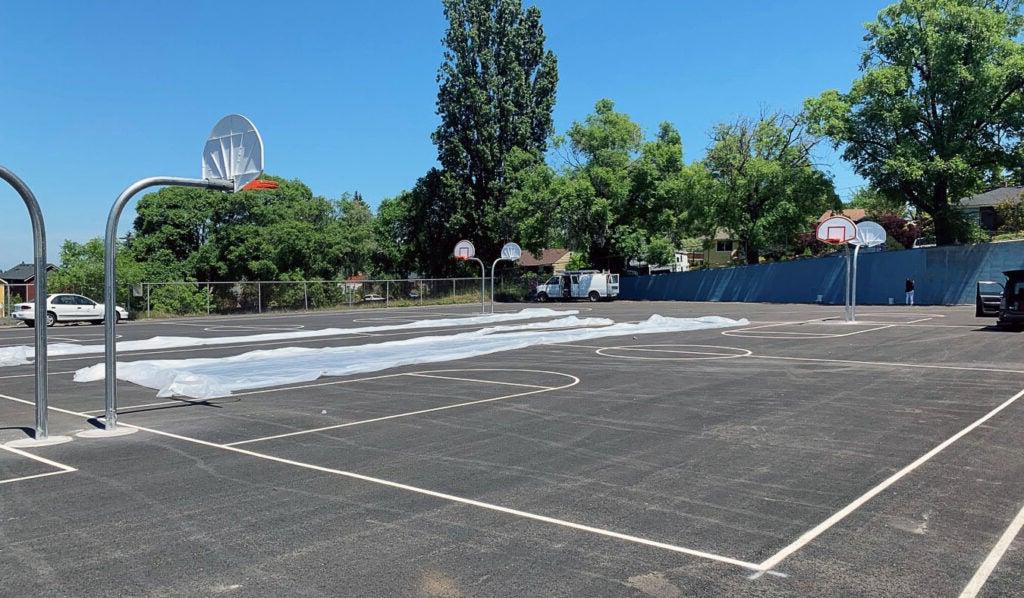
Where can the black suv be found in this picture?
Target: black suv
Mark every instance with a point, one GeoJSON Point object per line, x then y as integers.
{"type": "Point", "coordinates": [1007, 303]}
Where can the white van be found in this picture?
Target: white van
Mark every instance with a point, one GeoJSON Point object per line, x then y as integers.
{"type": "Point", "coordinates": [580, 284]}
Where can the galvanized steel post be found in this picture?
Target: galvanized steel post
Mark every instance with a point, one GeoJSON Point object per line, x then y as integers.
{"type": "Point", "coordinates": [39, 254]}
{"type": "Point", "coordinates": [110, 277]}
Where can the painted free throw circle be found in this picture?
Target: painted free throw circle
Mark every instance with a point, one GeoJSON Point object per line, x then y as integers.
{"type": "Point", "coordinates": [674, 352]}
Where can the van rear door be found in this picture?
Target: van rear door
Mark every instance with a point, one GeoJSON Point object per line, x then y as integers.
{"type": "Point", "coordinates": [613, 285]}
{"type": "Point", "coordinates": [987, 298]}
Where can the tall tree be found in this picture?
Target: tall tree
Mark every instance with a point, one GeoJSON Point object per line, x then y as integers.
{"type": "Point", "coordinates": [766, 189]}
{"type": "Point", "coordinates": [496, 93]}
{"type": "Point", "coordinates": [939, 108]}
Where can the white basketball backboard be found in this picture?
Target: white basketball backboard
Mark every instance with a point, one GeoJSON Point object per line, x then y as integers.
{"type": "Point", "coordinates": [233, 151]}
{"type": "Point", "coordinates": [464, 250]}
{"type": "Point", "coordinates": [511, 252]}
{"type": "Point", "coordinates": [836, 230]}
{"type": "Point", "coordinates": [869, 234]}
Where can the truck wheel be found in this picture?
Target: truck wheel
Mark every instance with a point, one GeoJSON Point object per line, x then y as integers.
{"type": "Point", "coordinates": [51, 319]}
{"type": "Point", "coordinates": [542, 297]}
{"type": "Point", "coordinates": [594, 296]}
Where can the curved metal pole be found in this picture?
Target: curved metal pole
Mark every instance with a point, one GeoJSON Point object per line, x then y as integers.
{"type": "Point", "coordinates": [853, 286]}
{"type": "Point", "coordinates": [483, 281]}
{"type": "Point", "coordinates": [846, 292]}
{"type": "Point", "coordinates": [39, 249]}
{"type": "Point", "coordinates": [110, 277]}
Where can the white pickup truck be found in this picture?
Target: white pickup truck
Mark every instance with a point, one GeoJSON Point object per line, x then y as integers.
{"type": "Point", "coordinates": [581, 284]}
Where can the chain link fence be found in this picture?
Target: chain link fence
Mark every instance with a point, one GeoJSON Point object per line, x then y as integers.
{"type": "Point", "coordinates": [187, 298]}
{"type": "Point", "coordinates": [173, 299]}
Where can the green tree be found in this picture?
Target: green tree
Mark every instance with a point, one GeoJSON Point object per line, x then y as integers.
{"type": "Point", "coordinates": [81, 270]}
{"type": "Point", "coordinates": [266, 234]}
{"type": "Point", "coordinates": [496, 93]}
{"type": "Point", "coordinates": [875, 203]}
{"type": "Point", "coordinates": [938, 109]}
{"type": "Point", "coordinates": [766, 189]}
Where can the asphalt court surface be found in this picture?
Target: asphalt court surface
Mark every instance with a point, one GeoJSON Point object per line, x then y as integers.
{"type": "Point", "coordinates": [797, 455]}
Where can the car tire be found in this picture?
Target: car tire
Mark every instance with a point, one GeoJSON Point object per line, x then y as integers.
{"type": "Point", "coordinates": [542, 297]}
{"type": "Point", "coordinates": [51, 319]}
{"type": "Point", "coordinates": [594, 296]}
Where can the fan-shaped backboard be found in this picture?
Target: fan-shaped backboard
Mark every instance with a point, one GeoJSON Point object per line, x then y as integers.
{"type": "Point", "coordinates": [836, 230]}
{"type": "Point", "coordinates": [869, 234]}
{"type": "Point", "coordinates": [511, 252]}
{"type": "Point", "coordinates": [233, 151]}
{"type": "Point", "coordinates": [464, 250]}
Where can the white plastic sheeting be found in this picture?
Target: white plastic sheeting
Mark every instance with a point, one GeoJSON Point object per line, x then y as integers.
{"type": "Point", "coordinates": [217, 377]}
{"type": "Point", "coordinates": [21, 355]}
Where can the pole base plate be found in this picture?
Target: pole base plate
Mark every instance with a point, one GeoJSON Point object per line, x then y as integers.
{"type": "Point", "coordinates": [33, 442]}
{"type": "Point", "coordinates": [105, 433]}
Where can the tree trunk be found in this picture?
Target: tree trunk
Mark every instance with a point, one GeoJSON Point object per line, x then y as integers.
{"type": "Point", "coordinates": [943, 216]}
{"type": "Point", "coordinates": [752, 253]}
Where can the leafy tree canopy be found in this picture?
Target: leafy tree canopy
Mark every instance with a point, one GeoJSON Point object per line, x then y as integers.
{"type": "Point", "coordinates": [939, 107]}
{"type": "Point", "coordinates": [765, 187]}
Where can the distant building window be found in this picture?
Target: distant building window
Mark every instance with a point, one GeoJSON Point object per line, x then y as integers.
{"type": "Point", "coordinates": [723, 245]}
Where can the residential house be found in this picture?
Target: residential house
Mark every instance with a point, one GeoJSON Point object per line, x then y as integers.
{"type": "Point", "coordinates": [981, 208]}
{"type": "Point", "coordinates": [21, 280]}
{"type": "Point", "coordinates": [855, 214]}
{"type": "Point", "coordinates": [548, 261]}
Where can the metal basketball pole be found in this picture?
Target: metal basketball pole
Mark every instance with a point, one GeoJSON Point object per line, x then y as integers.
{"type": "Point", "coordinates": [110, 278]}
{"type": "Point", "coordinates": [39, 251]}
{"type": "Point", "coordinates": [483, 284]}
{"type": "Point", "coordinates": [849, 275]}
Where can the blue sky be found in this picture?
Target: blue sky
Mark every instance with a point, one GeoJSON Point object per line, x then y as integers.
{"type": "Point", "coordinates": [94, 98]}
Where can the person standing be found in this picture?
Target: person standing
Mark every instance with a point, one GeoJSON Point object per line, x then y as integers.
{"type": "Point", "coordinates": [910, 291]}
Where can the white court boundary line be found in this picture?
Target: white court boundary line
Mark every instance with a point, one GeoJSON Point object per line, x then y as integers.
{"type": "Point", "coordinates": [772, 561]}
{"type": "Point", "coordinates": [440, 495]}
{"type": "Point", "coordinates": [538, 390]}
{"type": "Point", "coordinates": [989, 564]}
{"type": "Point", "coordinates": [60, 467]}
{"type": "Point", "coordinates": [765, 566]}
{"type": "Point", "coordinates": [676, 348]}
{"type": "Point", "coordinates": [127, 409]}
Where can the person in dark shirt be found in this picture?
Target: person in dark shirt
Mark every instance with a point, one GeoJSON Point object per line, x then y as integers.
{"type": "Point", "coordinates": [910, 291]}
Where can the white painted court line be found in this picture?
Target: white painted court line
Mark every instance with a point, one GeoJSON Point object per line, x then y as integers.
{"type": "Point", "coordinates": [38, 475]}
{"type": "Point", "coordinates": [810, 535]}
{"type": "Point", "coordinates": [443, 496]}
{"type": "Point", "coordinates": [128, 408]}
{"type": "Point", "coordinates": [888, 364]}
{"type": "Point", "coordinates": [409, 413]}
{"type": "Point", "coordinates": [482, 381]}
{"type": "Point", "coordinates": [60, 467]}
{"type": "Point", "coordinates": [994, 556]}
{"type": "Point", "coordinates": [628, 348]}
{"type": "Point", "coordinates": [781, 334]}
{"type": "Point", "coordinates": [33, 375]}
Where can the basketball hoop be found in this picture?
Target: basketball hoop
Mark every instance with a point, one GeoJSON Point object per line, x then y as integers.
{"type": "Point", "coordinates": [836, 230]}
{"type": "Point", "coordinates": [464, 250]}
{"type": "Point", "coordinates": [260, 184]}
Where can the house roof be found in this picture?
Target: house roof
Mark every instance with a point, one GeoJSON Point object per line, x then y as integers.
{"type": "Point", "coordinates": [990, 199]}
{"type": "Point", "coordinates": [23, 272]}
{"type": "Point", "coordinates": [855, 214]}
{"type": "Point", "coordinates": [547, 257]}
{"type": "Point", "coordinates": [356, 278]}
